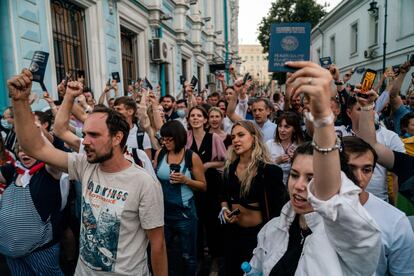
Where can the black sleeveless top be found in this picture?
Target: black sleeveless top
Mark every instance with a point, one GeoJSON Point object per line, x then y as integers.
{"type": "Point", "coordinates": [206, 148]}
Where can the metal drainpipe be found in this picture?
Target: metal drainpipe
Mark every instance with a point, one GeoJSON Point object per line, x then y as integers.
{"type": "Point", "coordinates": [162, 69]}
{"type": "Point", "coordinates": [226, 37]}
{"type": "Point", "coordinates": [384, 55]}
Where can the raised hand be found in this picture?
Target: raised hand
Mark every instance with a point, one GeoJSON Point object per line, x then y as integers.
{"type": "Point", "coordinates": [313, 81]}
{"type": "Point", "coordinates": [74, 89]}
{"type": "Point", "coordinates": [334, 71]}
{"type": "Point", "coordinates": [20, 86]}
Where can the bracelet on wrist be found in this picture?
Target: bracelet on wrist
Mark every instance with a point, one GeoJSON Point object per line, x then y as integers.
{"type": "Point", "coordinates": [321, 122]}
{"type": "Point", "coordinates": [325, 151]}
{"type": "Point", "coordinates": [368, 107]}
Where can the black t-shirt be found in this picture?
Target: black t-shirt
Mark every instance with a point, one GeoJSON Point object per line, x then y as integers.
{"type": "Point", "coordinates": [45, 192]}
{"type": "Point", "coordinates": [404, 169]}
{"type": "Point", "coordinates": [288, 264]}
{"type": "Point", "coordinates": [173, 116]}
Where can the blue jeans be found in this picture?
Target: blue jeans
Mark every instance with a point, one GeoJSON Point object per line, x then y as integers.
{"type": "Point", "coordinates": [43, 262]}
{"type": "Point", "coordinates": [185, 229]}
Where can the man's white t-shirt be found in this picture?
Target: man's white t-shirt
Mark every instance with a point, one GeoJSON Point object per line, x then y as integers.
{"type": "Point", "coordinates": [397, 253]}
{"type": "Point", "coordinates": [378, 184]}
{"type": "Point", "coordinates": [117, 208]}
{"type": "Point", "coordinates": [132, 139]}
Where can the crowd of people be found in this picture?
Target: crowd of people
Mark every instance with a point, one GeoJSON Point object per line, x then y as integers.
{"type": "Point", "coordinates": [311, 178]}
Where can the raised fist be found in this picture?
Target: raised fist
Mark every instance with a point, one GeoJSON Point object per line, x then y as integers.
{"type": "Point", "coordinates": [74, 89]}
{"type": "Point", "coordinates": [20, 86]}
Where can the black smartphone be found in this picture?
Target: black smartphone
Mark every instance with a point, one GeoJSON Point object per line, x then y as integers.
{"type": "Point", "coordinates": [396, 70]}
{"type": "Point", "coordinates": [148, 84]}
{"type": "Point", "coordinates": [235, 212]}
{"type": "Point", "coordinates": [193, 82]}
{"type": "Point", "coordinates": [325, 62]}
{"type": "Point", "coordinates": [80, 74]}
{"type": "Point", "coordinates": [175, 168]}
{"type": "Point", "coordinates": [245, 78]}
{"type": "Point", "coordinates": [412, 60]}
{"type": "Point", "coordinates": [367, 82]}
{"type": "Point", "coordinates": [115, 76]}
{"type": "Point", "coordinates": [182, 80]}
{"type": "Point", "coordinates": [108, 83]}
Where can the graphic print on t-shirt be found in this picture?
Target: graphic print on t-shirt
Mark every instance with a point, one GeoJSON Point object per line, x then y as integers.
{"type": "Point", "coordinates": [101, 220]}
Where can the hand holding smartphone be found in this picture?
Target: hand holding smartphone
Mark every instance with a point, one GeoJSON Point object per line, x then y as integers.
{"type": "Point", "coordinates": [367, 82]}
{"type": "Point", "coordinates": [233, 213]}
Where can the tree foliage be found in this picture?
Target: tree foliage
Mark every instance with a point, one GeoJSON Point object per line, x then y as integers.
{"type": "Point", "coordinates": [288, 11]}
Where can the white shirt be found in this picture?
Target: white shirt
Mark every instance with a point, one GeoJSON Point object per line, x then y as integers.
{"type": "Point", "coordinates": [268, 130]}
{"type": "Point", "coordinates": [277, 150]}
{"type": "Point", "coordinates": [227, 125]}
{"type": "Point", "coordinates": [132, 139]}
{"type": "Point", "coordinates": [378, 184]}
{"type": "Point", "coordinates": [397, 254]}
{"type": "Point", "coordinates": [345, 239]}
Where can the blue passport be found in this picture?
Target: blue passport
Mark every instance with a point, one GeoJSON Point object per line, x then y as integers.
{"type": "Point", "coordinates": [288, 42]}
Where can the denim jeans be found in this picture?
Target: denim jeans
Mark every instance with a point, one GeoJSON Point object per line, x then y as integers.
{"type": "Point", "coordinates": [185, 229]}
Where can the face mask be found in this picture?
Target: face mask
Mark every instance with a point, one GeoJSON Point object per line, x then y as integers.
{"type": "Point", "coordinates": [181, 113]}
{"type": "Point", "coordinates": [407, 135]}
{"type": "Point", "coordinates": [5, 124]}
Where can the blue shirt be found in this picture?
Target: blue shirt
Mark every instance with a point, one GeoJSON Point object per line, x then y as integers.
{"type": "Point", "coordinates": [397, 115]}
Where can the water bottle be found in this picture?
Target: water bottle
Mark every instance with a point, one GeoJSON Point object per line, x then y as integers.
{"type": "Point", "coordinates": [249, 270]}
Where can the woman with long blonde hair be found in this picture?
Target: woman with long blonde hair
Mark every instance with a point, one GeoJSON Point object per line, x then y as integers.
{"type": "Point", "coordinates": [252, 189]}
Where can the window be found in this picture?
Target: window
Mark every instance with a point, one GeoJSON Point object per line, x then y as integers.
{"type": "Point", "coordinates": [184, 67]}
{"type": "Point", "coordinates": [128, 47]}
{"type": "Point", "coordinates": [252, 58]}
{"type": "Point", "coordinates": [332, 48]}
{"type": "Point", "coordinates": [69, 43]}
{"type": "Point", "coordinates": [354, 38]}
{"type": "Point", "coordinates": [373, 32]}
{"type": "Point", "coordinates": [406, 18]}
{"type": "Point", "coordinates": [318, 53]}
{"type": "Point", "coordinates": [258, 58]}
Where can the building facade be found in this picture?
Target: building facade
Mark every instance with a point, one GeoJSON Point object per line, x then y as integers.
{"type": "Point", "coordinates": [254, 61]}
{"type": "Point", "coordinates": [158, 39]}
{"type": "Point", "coordinates": [352, 34]}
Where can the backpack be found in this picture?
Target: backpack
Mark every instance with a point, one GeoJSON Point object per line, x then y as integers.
{"type": "Point", "coordinates": [136, 157]}
{"type": "Point", "coordinates": [140, 137]}
{"type": "Point", "coordinates": [188, 159]}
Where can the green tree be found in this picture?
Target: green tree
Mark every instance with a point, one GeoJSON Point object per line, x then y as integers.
{"type": "Point", "coordinates": [288, 11]}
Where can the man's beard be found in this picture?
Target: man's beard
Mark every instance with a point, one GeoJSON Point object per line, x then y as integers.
{"type": "Point", "coordinates": [167, 109]}
{"type": "Point", "coordinates": [102, 158]}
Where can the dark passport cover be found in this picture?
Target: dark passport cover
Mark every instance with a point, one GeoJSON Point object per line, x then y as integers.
{"type": "Point", "coordinates": [38, 67]}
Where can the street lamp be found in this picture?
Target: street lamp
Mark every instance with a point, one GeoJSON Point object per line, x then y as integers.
{"type": "Point", "coordinates": [373, 10]}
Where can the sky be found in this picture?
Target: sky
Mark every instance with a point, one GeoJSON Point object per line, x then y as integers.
{"type": "Point", "coordinates": [251, 13]}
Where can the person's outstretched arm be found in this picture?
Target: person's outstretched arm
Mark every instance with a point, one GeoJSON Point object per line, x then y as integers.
{"type": "Point", "coordinates": [232, 102]}
{"type": "Point", "coordinates": [61, 127]}
{"type": "Point", "coordinates": [315, 82]}
{"type": "Point", "coordinates": [367, 130]}
{"type": "Point", "coordinates": [28, 134]}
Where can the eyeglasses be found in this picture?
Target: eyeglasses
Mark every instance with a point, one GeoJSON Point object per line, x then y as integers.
{"type": "Point", "coordinates": [167, 139]}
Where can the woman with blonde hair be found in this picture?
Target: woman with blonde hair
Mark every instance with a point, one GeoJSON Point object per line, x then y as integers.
{"type": "Point", "coordinates": [252, 189]}
{"type": "Point", "coordinates": [215, 122]}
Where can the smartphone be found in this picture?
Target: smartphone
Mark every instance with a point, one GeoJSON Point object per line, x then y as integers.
{"type": "Point", "coordinates": [396, 70]}
{"type": "Point", "coordinates": [80, 74]}
{"type": "Point", "coordinates": [367, 82]}
{"type": "Point", "coordinates": [115, 76]}
{"type": "Point", "coordinates": [325, 62]}
{"type": "Point", "coordinates": [175, 168]}
{"type": "Point", "coordinates": [148, 84]}
{"type": "Point", "coordinates": [235, 212]}
{"type": "Point", "coordinates": [412, 75]}
{"type": "Point", "coordinates": [412, 60]}
{"type": "Point", "coordinates": [245, 78]}
{"type": "Point", "coordinates": [182, 80]}
{"type": "Point", "coordinates": [193, 82]}
{"type": "Point", "coordinates": [108, 83]}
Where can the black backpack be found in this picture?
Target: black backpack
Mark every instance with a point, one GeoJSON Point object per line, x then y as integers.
{"type": "Point", "coordinates": [140, 137]}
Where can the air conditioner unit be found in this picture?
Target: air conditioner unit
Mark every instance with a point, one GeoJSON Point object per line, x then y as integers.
{"type": "Point", "coordinates": [160, 50]}
{"type": "Point", "coordinates": [370, 53]}
{"type": "Point", "coordinates": [211, 78]}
